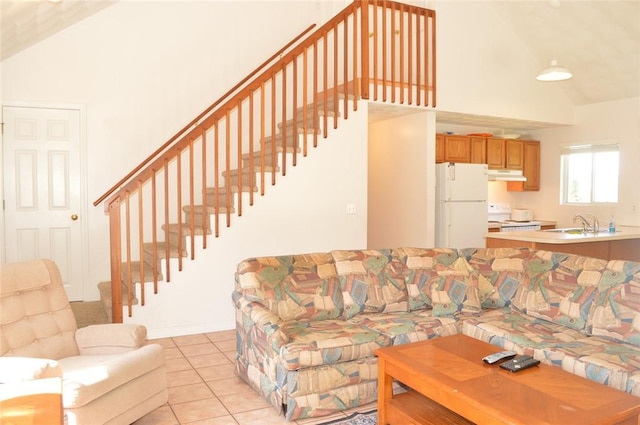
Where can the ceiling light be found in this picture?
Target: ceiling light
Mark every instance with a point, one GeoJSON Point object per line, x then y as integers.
{"type": "Point", "coordinates": [554, 73]}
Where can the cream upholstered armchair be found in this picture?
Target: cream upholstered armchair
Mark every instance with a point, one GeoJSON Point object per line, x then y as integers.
{"type": "Point", "coordinates": [110, 375]}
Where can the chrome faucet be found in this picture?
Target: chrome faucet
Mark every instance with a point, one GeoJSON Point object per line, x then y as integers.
{"type": "Point", "coordinates": [586, 227]}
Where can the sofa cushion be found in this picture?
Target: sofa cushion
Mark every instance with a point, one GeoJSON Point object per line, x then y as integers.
{"type": "Point", "coordinates": [455, 290]}
{"type": "Point", "coordinates": [372, 281]}
{"type": "Point", "coordinates": [403, 328]}
{"type": "Point", "coordinates": [328, 342]}
{"type": "Point", "coordinates": [300, 287]}
{"type": "Point", "coordinates": [565, 293]}
{"type": "Point", "coordinates": [420, 266]}
{"type": "Point", "coordinates": [615, 365]}
{"type": "Point", "coordinates": [500, 273]}
{"type": "Point", "coordinates": [615, 314]}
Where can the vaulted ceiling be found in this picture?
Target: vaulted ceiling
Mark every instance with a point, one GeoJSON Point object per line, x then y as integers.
{"type": "Point", "coordinates": [599, 41]}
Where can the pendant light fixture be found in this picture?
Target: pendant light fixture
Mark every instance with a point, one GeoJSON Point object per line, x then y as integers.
{"type": "Point", "coordinates": [554, 72]}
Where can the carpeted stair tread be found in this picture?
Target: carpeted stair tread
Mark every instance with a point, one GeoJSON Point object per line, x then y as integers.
{"type": "Point", "coordinates": [210, 209]}
{"type": "Point", "coordinates": [161, 250]}
{"type": "Point", "coordinates": [136, 277]}
{"type": "Point", "coordinates": [186, 229]}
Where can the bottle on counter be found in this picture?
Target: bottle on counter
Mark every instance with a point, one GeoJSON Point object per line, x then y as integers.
{"type": "Point", "coordinates": [612, 224]}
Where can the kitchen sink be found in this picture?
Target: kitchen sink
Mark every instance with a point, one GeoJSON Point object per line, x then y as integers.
{"type": "Point", "coordinates": [576, 230]}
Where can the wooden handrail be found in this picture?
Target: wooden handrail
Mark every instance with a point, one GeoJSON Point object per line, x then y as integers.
{"type": "Point", "coordinates": [199, 117]}
{"type": "Point", "coordinates": [269, 113]}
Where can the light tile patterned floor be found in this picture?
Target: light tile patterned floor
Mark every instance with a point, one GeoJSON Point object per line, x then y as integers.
{"type": "Point", "coordinates": [204, 390]}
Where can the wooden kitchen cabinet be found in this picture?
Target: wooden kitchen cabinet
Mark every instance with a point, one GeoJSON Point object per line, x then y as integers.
{"type": "Point", "coordinates": [514, 154]}
{"type": "Point", "coordinates": [530, 168]}
{"type": "Point", "coordinates": [496, 153]}
{"type": "Point", "coordinates": [478, 150]}
{"type": "Point", "coordinates": [457, 149]}
{"type": "Point", "coordinates": [439, 148]}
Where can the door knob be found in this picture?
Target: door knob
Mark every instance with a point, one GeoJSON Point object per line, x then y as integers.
{"type": "Point", "coordinates": [74, 217]}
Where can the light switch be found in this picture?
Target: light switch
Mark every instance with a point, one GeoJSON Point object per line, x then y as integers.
{"type": "Point", "coordinates": [351, 208]}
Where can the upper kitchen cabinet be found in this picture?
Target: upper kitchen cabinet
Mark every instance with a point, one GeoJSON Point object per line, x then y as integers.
{"type": "Point", "coordinates": [504, 154]}
{"type": "Point", "coordinates": [514, 154]}
{"type": "Point", "coordinates": [496, 156]}
{"type": "Point", "coordinates": [530, 167]}
{"type": "Point", "coordinates": [457, 149]}
{"type": "Point", "coordinates": [478, 150]}
{"type": "Point", "coordinates": [439, 148]}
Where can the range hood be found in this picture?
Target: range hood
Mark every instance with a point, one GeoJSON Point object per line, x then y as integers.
{"type": "Point", "coordinates": [507, 176]}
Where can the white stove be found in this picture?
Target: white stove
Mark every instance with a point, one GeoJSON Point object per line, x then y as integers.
{"type": "Point", "coordinates": [501, 214]}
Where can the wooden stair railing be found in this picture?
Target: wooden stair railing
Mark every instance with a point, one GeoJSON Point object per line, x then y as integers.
{"type": "Point", "coordinates": [373, 49]}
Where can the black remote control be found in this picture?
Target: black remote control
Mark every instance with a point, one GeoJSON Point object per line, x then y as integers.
{"type": "Point", "coordinates": [520, 363]}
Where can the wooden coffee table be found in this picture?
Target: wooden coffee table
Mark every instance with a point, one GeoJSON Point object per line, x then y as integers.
{"type": "Point", "coordinates": [451, 385]}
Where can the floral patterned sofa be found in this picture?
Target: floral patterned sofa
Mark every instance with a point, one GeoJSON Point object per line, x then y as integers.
{"type": "Point", "coordinates": [308, 324]}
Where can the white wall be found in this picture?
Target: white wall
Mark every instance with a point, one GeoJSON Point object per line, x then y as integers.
{"type": "Point", "coordinates": [143, 70]}
{"type": "Point", "coordinates": [398, 184]}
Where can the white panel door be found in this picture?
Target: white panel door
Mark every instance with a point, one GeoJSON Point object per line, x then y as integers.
{"type": "Point", "coordinates": [42, 190]}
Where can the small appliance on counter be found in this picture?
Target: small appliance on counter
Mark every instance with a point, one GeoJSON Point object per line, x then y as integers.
{"type": "Point", "coordinates": [511, 220]}
{"type": "Point", "coordinates": [521, 215]}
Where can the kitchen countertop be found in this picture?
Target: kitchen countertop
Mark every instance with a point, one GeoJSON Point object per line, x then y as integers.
{"type": "Point", "coordinates": [541, 236]}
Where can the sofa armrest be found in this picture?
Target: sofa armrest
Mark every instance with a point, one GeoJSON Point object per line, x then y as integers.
{"type": "Point", "coordinates": [267, 324]}
{"type": "Point", "coordinates": [111, 338]}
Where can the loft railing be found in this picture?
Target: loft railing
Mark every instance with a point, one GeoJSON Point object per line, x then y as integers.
{"type": "Point", "coordinates": [378, 50]}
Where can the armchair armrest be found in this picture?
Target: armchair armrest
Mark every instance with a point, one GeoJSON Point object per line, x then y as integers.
{"type": "Point", "coordinates": [16, 369]}
{"type": "Point", "coordinates": [111, 338]}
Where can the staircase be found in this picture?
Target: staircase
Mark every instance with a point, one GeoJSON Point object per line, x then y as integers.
{"type": "Point", "coordinates": [193, 184]}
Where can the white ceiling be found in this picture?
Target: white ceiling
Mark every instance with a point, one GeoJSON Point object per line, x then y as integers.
{"type": "Point", "coordinates": [599, 41]}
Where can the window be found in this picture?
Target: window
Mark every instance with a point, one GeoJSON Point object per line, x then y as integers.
{"type": "Point", "coordinates": [589, 174]}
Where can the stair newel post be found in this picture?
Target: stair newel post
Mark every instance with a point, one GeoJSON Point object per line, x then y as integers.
{"type": "Point", "coordinates": [364, 49]}
{"type": "Point", "coordinates": [115, 240]}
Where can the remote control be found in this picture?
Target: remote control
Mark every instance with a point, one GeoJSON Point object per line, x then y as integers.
{"type": "Point", "coordinates": [497, 357]}
{"type": "Point", "coordinates": [520, 363]}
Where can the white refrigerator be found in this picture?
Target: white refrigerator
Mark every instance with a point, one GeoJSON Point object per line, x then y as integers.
{"type": "Point", "coordinates": [461, 205]}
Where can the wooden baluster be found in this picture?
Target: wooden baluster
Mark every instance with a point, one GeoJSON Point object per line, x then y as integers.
{"type": "Point", "coordinates": [335, 75]}
{"type": "Point", "coordinates": [115, 240]}
{"type": "Point", "coordinates": [154, 230]}
{"type": "Point", "coordinates": [273, 127]}
{"type": "Point", "coordinates": [284, 120]}
{"type": "Point", "coordinates": [325, 72]}
{"type": "Point", "coordinates": [262, 140]}
{"type": "Point", "coordinates": [364, 49]}
{"type": "Point", "coordinates": [345, 66]}
{"type": "Point", "coordinates": [167, 247]}
{"type": "Point", "coordinates": [227, 164]}
{"type": "Point", "coordinates": [356, 75]}
{"type": "Point", "coordinates": [294, 96]}
{"type": "Point", "coordinates": [385, 59]}
{"type": "Point", "coordinates": [305, 102]}
{"type": "Point", "coordinates": [252, 169]}
{"type": "Point", "coordinates": [401, 34]}
{"type": "Point", "coordinates": [433, 59]}
{"type": "Point", "coordinates": [239, 160]}
{"type": "Point", "coordinates": [410, 58]}
{"type": "Point", "coordinates": [374, 34]}
{"type": "Point", "coordinates": [179, 205]}
{"type": "Point", "coordinates": [316, 114]}
{"type": "Point", "coordinates": [393, 53]}
{"type": "Point", "coordinates": [205, 201]}
{"type": "Point", "coordinates": [128, 251]}
{"type": "Point", "coordinates": [192, 224]}
{"type": "Point", "coordinates": [141, 241]}
{"type": "Point", "coordinates": [216, 177]}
